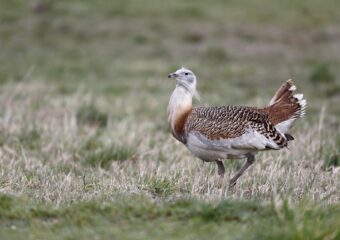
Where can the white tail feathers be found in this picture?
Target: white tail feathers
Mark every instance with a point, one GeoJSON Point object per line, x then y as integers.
{"type": "Point", "coordinates": [292, 88]}
{"type": "Point", "coordinates": [285, 107]}
{"type": "Point", "coordinates": [302, 103]}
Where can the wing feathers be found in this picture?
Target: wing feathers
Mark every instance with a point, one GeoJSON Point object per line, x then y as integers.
{"type": "Point", "coordinates": [243, 127]}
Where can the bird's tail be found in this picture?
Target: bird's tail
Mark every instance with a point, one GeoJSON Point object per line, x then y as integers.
{"type": "Point", "coordinates": [285, 107]}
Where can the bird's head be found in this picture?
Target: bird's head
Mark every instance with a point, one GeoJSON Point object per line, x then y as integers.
{"type": "Point", "coordinates": [185, 78]}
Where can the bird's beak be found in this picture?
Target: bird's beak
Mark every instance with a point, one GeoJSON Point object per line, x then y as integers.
{"type": "Point", "coordinates": [172, 75]}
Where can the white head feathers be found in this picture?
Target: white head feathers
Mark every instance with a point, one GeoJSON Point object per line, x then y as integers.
{"type": "Point", "coordinates": [187, 79]}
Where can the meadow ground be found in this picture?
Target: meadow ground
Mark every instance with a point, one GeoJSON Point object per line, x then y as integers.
{"type": "Point", "coordinates": [86, 151]}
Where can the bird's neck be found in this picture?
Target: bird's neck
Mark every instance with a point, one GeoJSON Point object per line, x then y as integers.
{"type": "Point", "coordinates": [179, 108]}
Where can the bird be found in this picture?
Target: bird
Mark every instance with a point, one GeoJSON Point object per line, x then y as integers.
{"type": "Point", "coordinates": [217, 133]}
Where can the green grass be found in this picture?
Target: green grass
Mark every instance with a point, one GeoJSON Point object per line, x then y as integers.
{"type": "Point", "coordinates": [85, 149]}
{"type": "Point", "coordinates": [322, 74]}
{"type": "Point", "coordinates": [30, 139]}
{"type": "Point", "coordinates": [90, 115]}
{"type": "Point", "coordinates": [103, 157]}
{"type": "Point", "coordinates": [139, 218]}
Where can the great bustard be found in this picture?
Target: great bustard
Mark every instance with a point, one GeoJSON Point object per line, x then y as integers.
{"type": "Point", "coordinates": [216, 133]}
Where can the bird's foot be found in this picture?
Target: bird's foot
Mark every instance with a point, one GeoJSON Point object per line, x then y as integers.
{"type": "Point", "coordinates": [232, 183]}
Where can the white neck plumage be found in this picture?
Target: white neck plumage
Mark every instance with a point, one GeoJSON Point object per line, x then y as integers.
{"type": "Point", "coordinates": [180, 104]}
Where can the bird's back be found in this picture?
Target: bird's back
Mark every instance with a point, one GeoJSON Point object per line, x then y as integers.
{"type": "Point", "coordinates": [230, 123]}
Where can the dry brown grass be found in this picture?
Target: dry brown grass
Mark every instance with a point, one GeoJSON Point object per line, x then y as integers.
{"type": "Point", "coordinates": [53, 170]}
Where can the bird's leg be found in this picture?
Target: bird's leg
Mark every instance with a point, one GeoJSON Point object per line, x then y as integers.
{"type": "Point", "coordinates": [250, 160]}
{"type": "Point", "coordinates": [221, 169]}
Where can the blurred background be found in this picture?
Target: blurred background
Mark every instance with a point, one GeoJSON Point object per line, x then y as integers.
{"type": "Point", "coordinates": [241, 51]}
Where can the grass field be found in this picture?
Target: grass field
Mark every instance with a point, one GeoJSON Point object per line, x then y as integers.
{"type": "Point", "coordinates": [86, 152]}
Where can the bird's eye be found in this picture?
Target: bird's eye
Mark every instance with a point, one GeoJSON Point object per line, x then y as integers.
{"type": "Point", "coordinates": [186, 73]}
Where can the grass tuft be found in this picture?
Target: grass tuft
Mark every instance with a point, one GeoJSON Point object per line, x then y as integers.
{"type": "Point", "coordinates": [160, 186]}
{"type": "Point", "coordinates": [30, 138]}
{"type": "Point", "coordinates": [215, 54]}
{"type": "Point", "coordinates": [104, 156]}
{"type": "Point", "coordinates": [331, 161]}
{"type": "Point", "coordinates": [322, 74]}
{"type": "Point", "coordinates": [6, 202]}
{"type": "Point", "coordinates": [141, 39]}
{"type": "Point", "coordinates": [193, 37]}
{"type": "Point", "coordinates": [90, 115]}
